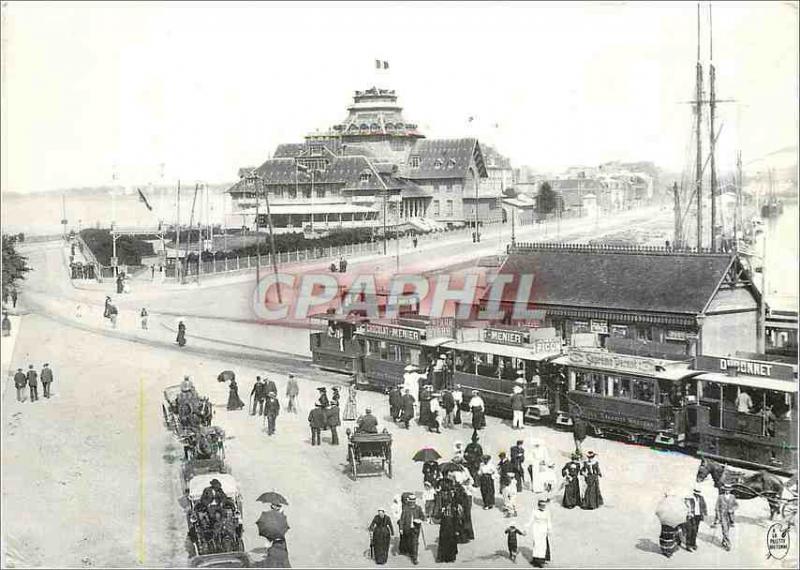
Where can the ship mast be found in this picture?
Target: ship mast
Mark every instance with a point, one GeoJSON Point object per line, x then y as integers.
{"type": "Point", "coordinates": [712, 142]}
{"type": "Point", "coordinates": [698, 134]}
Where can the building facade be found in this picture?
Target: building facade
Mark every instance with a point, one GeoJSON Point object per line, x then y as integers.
{"type": "Point", "coordinates": [372, 170]}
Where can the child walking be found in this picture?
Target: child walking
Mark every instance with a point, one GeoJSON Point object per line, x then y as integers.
{"type": "Point", "coordinates": [512, 533]}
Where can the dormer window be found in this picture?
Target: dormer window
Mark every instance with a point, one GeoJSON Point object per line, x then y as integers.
{"type": "Point", "coordinates": [438, 164]}
{"type": "Point", "coordinates": [414, 161]}
{"type": "Point", "coordinates": [451, 163]}
{"type": "Point", "coordinates": [365, 176]}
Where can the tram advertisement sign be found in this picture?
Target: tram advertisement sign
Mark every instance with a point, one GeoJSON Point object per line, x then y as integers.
{"type": "Point", "coordinates": [392, 331]}
{"type": "Point", "coordinates": [600, 327]}
{"type": "Point", "coordinates": [501, 336]}
{"type": "Point", "coordinates": [546, 345]}
{"type": "Point", "coordinates": [747, 367]}
{"type": "Point", "coordinates": [623, 363]}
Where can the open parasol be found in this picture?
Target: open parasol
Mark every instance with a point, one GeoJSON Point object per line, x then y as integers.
{"type": "Point", "coordinates": [426, 454]}
{"type": "Point", "coordinates": [272, 498]}
{"type": "Point", "coordinates": [272, 525]}
{"type": "Point", "coordinates": [226, 375]}
{"type": "Point", "coordinates": [672, 511]}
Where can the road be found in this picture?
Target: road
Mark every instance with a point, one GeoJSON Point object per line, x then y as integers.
{"type": "Point", "coordinates": [96, 474]}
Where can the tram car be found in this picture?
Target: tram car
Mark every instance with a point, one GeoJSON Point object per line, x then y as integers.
{"type": "Point", "coordinates": [337, 348]}
{"type": "Point", "coordinates": [390, 345]}
{"type": "Point", "coordinates": [633, 398]}
{"type": "Point", "coordinates": [744, 412]}
{"type": "Point", "coordinates": [504, 354]}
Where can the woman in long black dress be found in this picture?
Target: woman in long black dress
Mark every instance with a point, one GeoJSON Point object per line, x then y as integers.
{"type": "Point", "coordinates": [234, 401]}
{"type": "Point", "coordinates": [464, 499]}
{"type": "Point", "coordinates": [382, 532]}
{"type": "Point", "coordinates": [181, 339]}
{"type": "Point", "coordinates": [447, 549]}
{"type": "Point", "coordinates": [592, 499]}
{"type": "Point", "coordinates": [572, 489]}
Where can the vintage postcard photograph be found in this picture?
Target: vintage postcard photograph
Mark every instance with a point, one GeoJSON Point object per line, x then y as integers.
{"type": "Point", "coordinates": [401, 284]}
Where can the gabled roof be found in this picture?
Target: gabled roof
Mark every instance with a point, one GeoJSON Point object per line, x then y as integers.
{"type": "Point", "coordinates": [625, 279]}
{"type": "Point", "coordinates": [445, 158]}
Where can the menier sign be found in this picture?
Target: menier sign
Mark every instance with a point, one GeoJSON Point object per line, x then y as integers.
{"type": "Point", "coordinates": [392, 331]}
{"type": "Point", "coordinates": [503, 336]}
{"type": "Point", "coordinates": [747, 367]}
{"type": "Point", "coordinates": [620, 362]}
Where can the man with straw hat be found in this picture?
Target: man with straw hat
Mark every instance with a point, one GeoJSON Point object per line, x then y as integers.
{"type": "Point", "coordinates": [725, 508]}
{"type": "Point", "coordinates": [517, 407]}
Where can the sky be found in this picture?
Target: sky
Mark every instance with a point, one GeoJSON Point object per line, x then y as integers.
{"type": "Point", "coordinates": [89, 89]}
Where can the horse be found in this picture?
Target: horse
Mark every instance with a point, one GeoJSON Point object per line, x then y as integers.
{"type": "Point", "coordinates": [744, 487]}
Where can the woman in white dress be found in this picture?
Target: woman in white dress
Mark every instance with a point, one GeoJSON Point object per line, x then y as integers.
{"type": "Point", "coordinates": [539, 530]}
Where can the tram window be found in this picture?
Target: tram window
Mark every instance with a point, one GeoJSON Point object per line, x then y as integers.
{"type": "Point", "coordinates": [729, 394]}
{"type": "Point", "coordinates": [384, 352]}
{"type": "Point", "coordinates": [374, 347]}
{"type": "Point", "coordinates": [414, 356]}
{"type": "Point", "coordinates": [619, 387]}
{"type": "Point", "coordinates": [712, 391]}
{"type": "Point", "coordinates": [642, 390]}
{"type": "Point", "coordinates": [582, 383]}
{"type": "Point", "coordinates": [597, 384]}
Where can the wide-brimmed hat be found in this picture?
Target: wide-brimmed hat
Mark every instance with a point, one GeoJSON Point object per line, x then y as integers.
{"type": "Point", "coordinates": [475, 392]}
{"type": "Point", "coordinates": [541, 502]}
{"type": "Point", "coordinates": [697, 490]}
{"type": "Point", "coordinates": [410, 368]}
{"type": "Point", "coordinates": [322, 389]}
{"type": "Point", "coordinates": [590, 454]}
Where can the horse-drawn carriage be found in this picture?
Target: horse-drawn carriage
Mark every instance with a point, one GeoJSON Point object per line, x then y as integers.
{"type": "Point", "coordinates": [374, 446]}
{"type": "Point", "coordinates": [204, 452]}
{"type": "Point", "coordinates": [183, 408]}
{"type": "Point", "coordinates": [781, 496]}
{"type": "Point", "coordinates": [214, 517]}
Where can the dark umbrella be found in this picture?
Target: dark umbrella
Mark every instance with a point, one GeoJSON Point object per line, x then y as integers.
{"type": "Point", "coordinates": [272, 525]}
{"type": "Point", "coordinates": [226, 375]}
{"type": "Point", "coordinates": [272, 498]}
{"type": "Point", "coordinates": [426, 454]}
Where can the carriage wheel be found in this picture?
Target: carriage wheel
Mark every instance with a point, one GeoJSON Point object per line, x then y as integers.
{"type": "Point", "coordinates": [352, 459]}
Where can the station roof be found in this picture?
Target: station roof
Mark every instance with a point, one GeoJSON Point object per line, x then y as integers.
{"type": "Point", "coordinates": [445, 158]}
{"type": "Point", "coordinates": [633, 280]}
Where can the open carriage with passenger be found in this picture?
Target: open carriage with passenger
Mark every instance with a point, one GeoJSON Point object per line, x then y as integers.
{"type": "Point", "coordinates": [373, 446]}
{"type": "Point", "coordinates": [183, 408]}
{"type": "Point", "coordinates": [214, 516]}
{"type": "Point", "coordinates": [204, 452]}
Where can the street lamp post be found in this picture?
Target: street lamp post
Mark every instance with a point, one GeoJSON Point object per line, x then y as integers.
{"type": "Point", "coordinates": [255, 181]}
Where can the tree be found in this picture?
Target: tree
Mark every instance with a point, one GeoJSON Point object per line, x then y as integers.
{"type": "Point", "coordinates": [14, 265]}
{"type": "Point", "coordinates": [547, 199]}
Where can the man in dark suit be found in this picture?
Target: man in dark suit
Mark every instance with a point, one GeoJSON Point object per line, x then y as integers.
{"type": "Point", "coordinates": [317, 421]}
{"type": "Point", "coordinates": [367, 423]}
{"type": "Point", "coordinates": [47, 379]}
{"type": "Point", "coordinates": [697, 512]}
{"type": "Point", "coordinates": [271, 411]}
{"type": "Point", "coordinates": [259, 395]}
{"type": "Point", "coordinates": [269, 386]}
{"type": "Point", "coordinates": [517, 459]}
{"type": "Point", "coordinates": [333, 421]}
{"type": "Point", "coordinates": [33, 383]}
{"type": "Point", "coordinates": [20, 381]}
{"type": "Point", "coordinates": [408, 408]}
